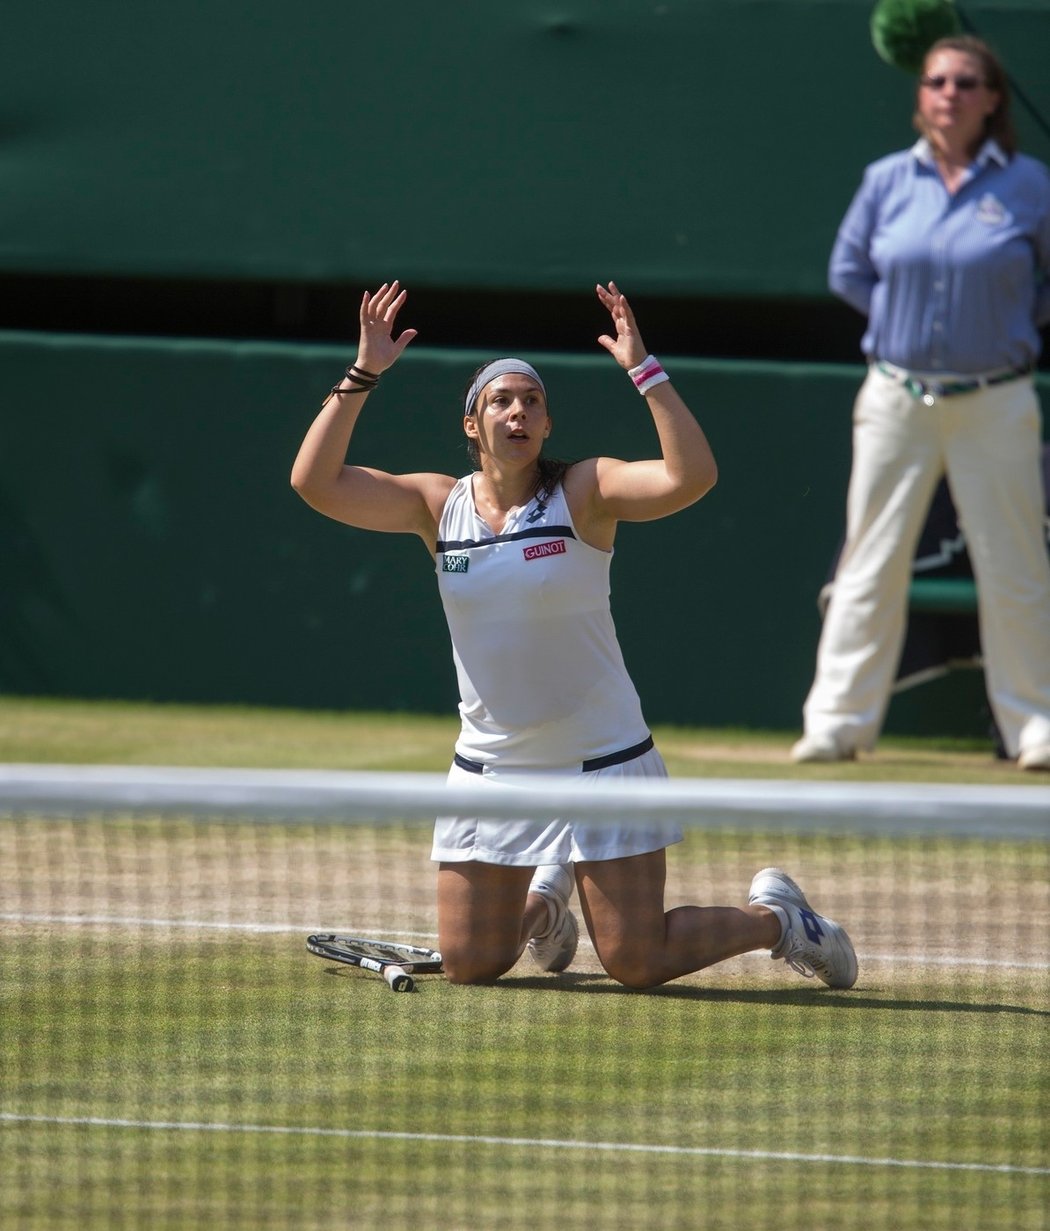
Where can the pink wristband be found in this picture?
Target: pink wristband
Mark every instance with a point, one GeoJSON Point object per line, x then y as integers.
{"type": "Point", "coordinates": [647, 374]}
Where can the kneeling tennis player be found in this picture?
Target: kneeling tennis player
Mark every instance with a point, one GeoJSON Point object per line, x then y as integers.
{"type": "Point", "coordinates": [522, 547]}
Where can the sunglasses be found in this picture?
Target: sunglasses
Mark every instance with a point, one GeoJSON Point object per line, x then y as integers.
{"type": "Point", "coordinates": [960, 83]}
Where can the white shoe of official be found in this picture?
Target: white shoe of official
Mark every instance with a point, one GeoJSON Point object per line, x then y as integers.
{"type": "Point", "coordinates": [1037, 758]}
{"type": "Point", "coordinates": [554, 948]}
{"type": "Point", "coordinates": [810, 944]}
{"type": "Point", "coordinates": [820, 750]}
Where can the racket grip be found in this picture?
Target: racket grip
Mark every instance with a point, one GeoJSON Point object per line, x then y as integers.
{"type": "Point", "coordinates": [399, 979]}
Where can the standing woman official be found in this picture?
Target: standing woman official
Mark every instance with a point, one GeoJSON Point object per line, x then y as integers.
{"type": "Point", "coordinates": [946, 250]}
{"type": "Point", "coordinates": [522, 548]}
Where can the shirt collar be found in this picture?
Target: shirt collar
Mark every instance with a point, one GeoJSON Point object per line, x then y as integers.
{"type": "Point", "coordinates": [990, 151]}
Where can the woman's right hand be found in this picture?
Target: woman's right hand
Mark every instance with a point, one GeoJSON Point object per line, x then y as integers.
{"type": "Point", "coordinates": [377, 348]}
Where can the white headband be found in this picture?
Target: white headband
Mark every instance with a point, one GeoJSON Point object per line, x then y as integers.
{"type": "Point", "coordinates": [498, 367]}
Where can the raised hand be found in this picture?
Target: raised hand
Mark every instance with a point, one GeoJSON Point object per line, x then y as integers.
{"type": "Point", "coordinates": [627, 347]}
{"type": "Point", "coordinates": [377, 348]}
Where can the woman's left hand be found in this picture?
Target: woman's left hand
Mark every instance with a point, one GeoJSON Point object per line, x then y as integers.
{"type": "Point", "coordinates": [627, 348]}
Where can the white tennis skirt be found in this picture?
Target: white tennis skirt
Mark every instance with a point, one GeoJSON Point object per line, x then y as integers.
{"type": "Point", "coordinates": [458, 839]}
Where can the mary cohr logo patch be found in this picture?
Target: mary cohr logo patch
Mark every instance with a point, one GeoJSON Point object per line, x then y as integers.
{"type": "Point", "coordinates": [454, 564]}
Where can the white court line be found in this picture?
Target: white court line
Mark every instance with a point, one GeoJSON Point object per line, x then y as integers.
{"type": "Point", "coordinates": [131, 922]}
{"type": "Point", "coordinates": [914, 959]}
{"type": "Point", "coordinates": [953, 961]}
{"type": "Point", "coordinates": [531, 1143]}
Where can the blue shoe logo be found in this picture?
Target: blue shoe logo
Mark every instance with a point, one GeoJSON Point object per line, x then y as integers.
{"type": "Point", "coordinates": [812, 925]}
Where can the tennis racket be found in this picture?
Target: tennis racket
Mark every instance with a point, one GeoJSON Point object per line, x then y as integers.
{"type": "Point", "coordinates": [397, 963]}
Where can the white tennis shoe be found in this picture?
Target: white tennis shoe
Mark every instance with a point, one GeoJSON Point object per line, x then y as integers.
{"type": "Point", "coordinates": [555, 948]}
{"type": "Point", "coordinates": [810, 944]}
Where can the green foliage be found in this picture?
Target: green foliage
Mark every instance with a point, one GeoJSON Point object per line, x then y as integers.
{"type": "Point", "coordinates": [902, 31]}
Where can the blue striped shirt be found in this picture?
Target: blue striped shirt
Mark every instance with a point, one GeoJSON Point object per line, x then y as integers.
{"type": "Point", "coordinates": [949, 283]}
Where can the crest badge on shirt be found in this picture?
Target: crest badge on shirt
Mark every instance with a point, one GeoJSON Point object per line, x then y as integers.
{"type": "Point", "coordinates": [991, 210]}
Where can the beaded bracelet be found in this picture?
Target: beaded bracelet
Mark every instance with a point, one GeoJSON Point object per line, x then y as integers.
{"type": "Point", "coordinates": [336, 391]}
{"type": "Point", "coordinates": [360, 380]}
{"type": "Point", "coordinates": [363, 381]}
{"type": "Point", "coordinates": [647, 374]}
{"type": "Point", "coordinates": [354, 371]}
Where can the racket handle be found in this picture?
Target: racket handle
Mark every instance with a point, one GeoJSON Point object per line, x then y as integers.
{"type": "Point", "coordinates": [399, 979]}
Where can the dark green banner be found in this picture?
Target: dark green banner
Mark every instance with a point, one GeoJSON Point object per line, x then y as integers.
{"type": "Point", "coordinates": [706, 147]}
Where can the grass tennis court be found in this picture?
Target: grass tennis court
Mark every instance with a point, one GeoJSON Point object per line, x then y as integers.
{"type": "Point", "coordinates": [173, 1057]}
{"type": "Point", "coordinates": [82, 732]}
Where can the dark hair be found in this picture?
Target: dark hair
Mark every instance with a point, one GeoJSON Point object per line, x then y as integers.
{"type": "Point", "coordinates": [999, 126]}
{"type": "Point", "coordinates": [551, 470]}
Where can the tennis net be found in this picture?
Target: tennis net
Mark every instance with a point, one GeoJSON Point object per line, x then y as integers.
{"type": "Point", "coordinates": [174, 1057]}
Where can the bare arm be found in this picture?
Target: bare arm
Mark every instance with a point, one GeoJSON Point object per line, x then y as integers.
{"type": "Point", "coordinates": [645, 490]}
{"type": "Point", "coordinates": [358, 495]}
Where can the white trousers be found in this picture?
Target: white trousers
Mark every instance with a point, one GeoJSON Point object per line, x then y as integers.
{"type": "Point", "coordinates": [988, 444]}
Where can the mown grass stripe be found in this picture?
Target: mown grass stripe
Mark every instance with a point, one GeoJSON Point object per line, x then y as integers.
{"type": "Point", "coordinates": [912, 959]}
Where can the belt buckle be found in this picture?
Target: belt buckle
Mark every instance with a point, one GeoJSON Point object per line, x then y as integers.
{"type": "Point", "coordinates": [920, 389]}
{"type": "Point", "coordinates": [945, 389]}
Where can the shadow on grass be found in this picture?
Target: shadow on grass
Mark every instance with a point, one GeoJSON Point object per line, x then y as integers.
{"type": "Point", "coordinates": [592, 983]}
{"type": "Point", "coordinates": [598, 984]}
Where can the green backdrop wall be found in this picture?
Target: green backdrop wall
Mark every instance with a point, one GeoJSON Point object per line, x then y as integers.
{"type": "Point", "coordinates": [693, 149]}
{"type": "Point", "coordinates": [686, 146]}
{"type": "Point", "coordinates": [155, 549]}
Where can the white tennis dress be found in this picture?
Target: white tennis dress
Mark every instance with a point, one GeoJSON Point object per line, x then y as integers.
{"type": "Point", "coordinates": [543, 686]}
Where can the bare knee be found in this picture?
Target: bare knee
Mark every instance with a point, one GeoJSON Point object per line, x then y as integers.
{"type": "Point", "coordinates": [633, 968]}
{"type": "Point", "coordinates": [473, 967]}
{"type": "Point", "coordinates": [480, 919]}
{"type": "Point", "coordinates": [637, 979]}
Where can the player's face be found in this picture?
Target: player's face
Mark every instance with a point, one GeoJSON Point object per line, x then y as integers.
{"type": "Point", "coordinates": [954, 101]}
{"type": "Point", "coordinates": [511, 419]}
